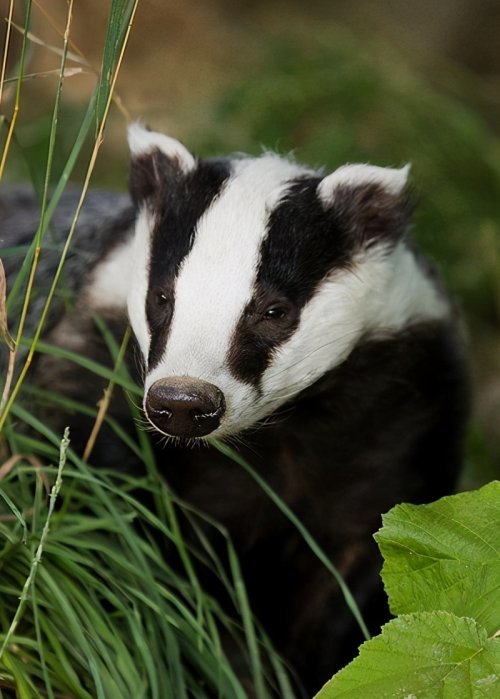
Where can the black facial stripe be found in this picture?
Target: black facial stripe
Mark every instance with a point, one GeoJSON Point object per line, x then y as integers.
{"type": "Point", "coordinates": [302, 244]}
{"type": "Point", "coordinates": [306, 240]}
{"type": "Point", "coordinates": [177, 206]}
{"type": "Point", "coordinates": [256, 337]}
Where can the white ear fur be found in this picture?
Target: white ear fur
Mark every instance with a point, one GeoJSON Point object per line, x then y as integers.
{"type": "Point", "coordinates": [392, 180]}
{"type": "Point", "coordinates": [141, 141]}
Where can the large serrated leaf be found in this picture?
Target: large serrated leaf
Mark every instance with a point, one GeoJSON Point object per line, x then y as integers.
{"type": "Point", "coordinates": [445, 556]}
{"type": "Point", "coordinates": [432, 655]}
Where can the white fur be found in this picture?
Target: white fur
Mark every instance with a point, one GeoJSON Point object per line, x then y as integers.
{"type": "Point", "coordinates": [392, 180]}
{"type": "Point", "coordinates": [386, 290]}
{"type": "Point", "coordinates": [141, 141]}
{"type": "Point", "coordinates": [383, 293]}
{"type": "Point", "coordinates": [216, 279]}
{"type": "Point", "coordinates": [120, 281]}
{"type": "Point", "coordinates": [110, 281]}
{"type": "Point", "coordinates": [402, 292]}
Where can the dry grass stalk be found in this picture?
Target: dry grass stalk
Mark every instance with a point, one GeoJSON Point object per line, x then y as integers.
{"type": "Point", "coordinates": [4, 334]}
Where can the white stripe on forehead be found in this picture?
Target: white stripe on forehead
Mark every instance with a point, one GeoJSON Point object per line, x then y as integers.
{"type": "Point", "coordinates": [216, 279]}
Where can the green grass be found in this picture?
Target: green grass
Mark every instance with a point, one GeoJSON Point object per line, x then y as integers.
{"type": "Point", "coordinates": [99, 610]}
{"type": "Point", "coordinates": [90, 604]}
{"type": "Point", "coordinates": [106, 615]}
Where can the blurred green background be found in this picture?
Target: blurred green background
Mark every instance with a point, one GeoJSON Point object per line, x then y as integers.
{"type": "Point", "coordinates": [386, 82]}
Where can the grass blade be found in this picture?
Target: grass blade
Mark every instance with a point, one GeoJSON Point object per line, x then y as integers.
{"type": "Point", "coordinates": [38, 554]}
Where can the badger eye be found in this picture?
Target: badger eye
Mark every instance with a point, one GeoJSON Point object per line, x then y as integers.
{"type": "Point", "coordinates": [161, 298]}
{"type": "Point", "coordinates": [274, 313]}
{"type": "Point", "coordinates": [159, 307]}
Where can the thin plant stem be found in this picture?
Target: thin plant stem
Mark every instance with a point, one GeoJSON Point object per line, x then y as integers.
{"type": "Point", "coordinates": [39, 551]}
{"type": "Point", "coordinates": [6, 48]}
{"type": "Point", "coordinates": [104, 402]}
{"type": "Point", "coordinates": [50, 21]}
{"type": "Point", "coordinates": [17, 102]}
{"type": "Point", "coordinates": [43, 212]}
{"type": "Point", "coordinates": [5, 335]}
{"type": "Point", "coordinates": [90, 169]}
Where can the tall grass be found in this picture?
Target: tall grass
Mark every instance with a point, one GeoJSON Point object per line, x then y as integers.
{"type": "Point", "coordinates": [90, 605]}
{"type": "Point", "coordinates": [107, 615]}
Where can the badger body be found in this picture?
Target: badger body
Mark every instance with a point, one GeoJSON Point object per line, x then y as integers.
{"type": "Point", "coordinates": [284, 308]}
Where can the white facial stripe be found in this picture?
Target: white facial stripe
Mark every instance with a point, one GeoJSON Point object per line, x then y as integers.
{"type": "Point", "coordinates": [406, 293]}
{"type": "Point", "coordinates": [216, 279]}
{"type": "Point", "coordinates": [382, 294]}
{"type": "Point", "coordinates": [110, 281]}
{"type": "Point", "coordinates": [137, 279]}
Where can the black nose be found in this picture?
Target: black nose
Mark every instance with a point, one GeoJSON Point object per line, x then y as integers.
{"type": "Point", "coordinates": [184, 407]}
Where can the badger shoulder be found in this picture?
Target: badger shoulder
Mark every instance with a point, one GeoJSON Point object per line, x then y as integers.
{"type": "Point", "coordinates": [103, 228]}
{"type": "Point", "coordinates": [104, 224]}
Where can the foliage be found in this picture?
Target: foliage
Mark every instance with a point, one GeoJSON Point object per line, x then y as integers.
{"type": "Point", "coordinates": [332, 98]}
{"type": "Point", "coordinates": [445, 556]}
{"type": "Point", "coordinates": [106, 615]}
{"type": "Point", "coordinates": [442, 575]}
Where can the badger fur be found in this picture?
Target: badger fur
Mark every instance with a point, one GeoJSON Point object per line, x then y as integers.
{"type": "Point", "coordinates": [287, 308]}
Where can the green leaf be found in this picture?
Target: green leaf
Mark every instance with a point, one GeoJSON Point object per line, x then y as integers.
{"type": "Point", "coordinates": [445, 556]}
{"type": "Point", "coordinates": [120, 15]}
{"type": "Point", "coordinates": [432, 655]}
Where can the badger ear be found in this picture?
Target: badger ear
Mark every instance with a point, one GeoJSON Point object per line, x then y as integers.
{"type": "Point", "coordinates": [372, 202]}
{"type": "Point", "coordinates": [156, 159]}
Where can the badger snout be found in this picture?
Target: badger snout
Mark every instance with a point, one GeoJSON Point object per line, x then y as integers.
{"type": "Point", "coordinates": [181, 406]}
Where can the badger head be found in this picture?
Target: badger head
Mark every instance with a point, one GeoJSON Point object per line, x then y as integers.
{"type": "Point", "coordinates": [253, 277]}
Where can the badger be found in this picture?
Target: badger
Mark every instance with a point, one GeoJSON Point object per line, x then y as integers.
{"type": "Point", "coordinates": [285, 310]}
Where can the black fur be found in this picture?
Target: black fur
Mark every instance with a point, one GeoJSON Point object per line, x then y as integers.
{"type": "Point", "coordinates": [178, 200]}
{"type": "Point", "coordinates": [306, 241]}
{"type": "Point", "coordinates": [385, 426]}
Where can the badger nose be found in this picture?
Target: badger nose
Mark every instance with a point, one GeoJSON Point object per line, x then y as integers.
{"type": "Point", "coordinates": [184, 407]}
